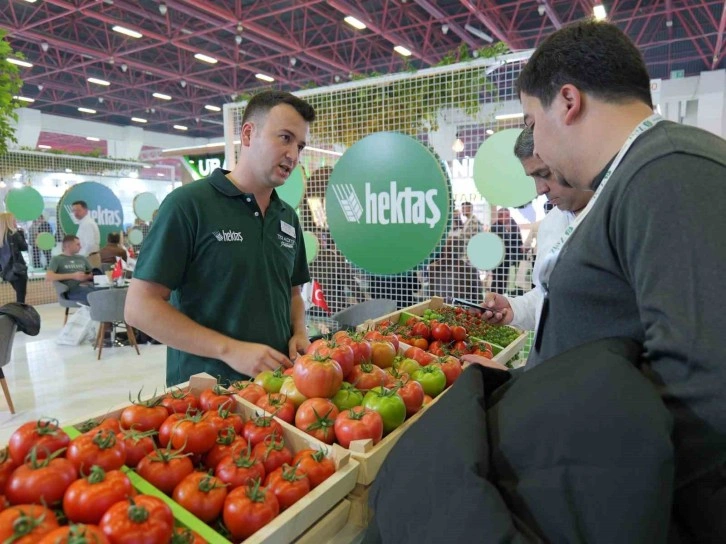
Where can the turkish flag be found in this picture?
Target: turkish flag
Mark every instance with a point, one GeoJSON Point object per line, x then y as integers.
{"type": "Point", "coordinates": [318, 297]}
{"type": "Point", "coordinates": [118, 269]}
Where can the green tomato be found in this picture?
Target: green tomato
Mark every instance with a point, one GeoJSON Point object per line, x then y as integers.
{"type": "Point", "coordinates": [347, 397]}
{"type": "Point", "coordinates": [389, 404]}
{"type": "Point", "coordinates": [431, 378]}
{"type": "Point", "coordinates": [409, 366]}
{"type": "Point", "coordinates": [270, 381]}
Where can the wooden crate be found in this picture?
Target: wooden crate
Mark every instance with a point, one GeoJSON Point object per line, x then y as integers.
{"type": "Point", "coordinates": [291, 523]}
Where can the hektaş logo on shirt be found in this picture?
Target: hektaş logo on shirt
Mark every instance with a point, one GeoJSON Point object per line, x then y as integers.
{"type": "Point", "coordinates": [228, 236]}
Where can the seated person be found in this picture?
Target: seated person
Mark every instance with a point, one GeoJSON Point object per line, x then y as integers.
{"type": "Point", "coordinates": [113, 249]}
{"type": "Point", "coordinates": [72, 269]}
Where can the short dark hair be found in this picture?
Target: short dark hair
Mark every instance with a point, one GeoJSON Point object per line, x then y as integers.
{"type": "Point", "coordinates": [113, 238]}
{"type": "Point", "coordinates": [69, 238]}
{"type": "Point", "coordinates": [81, 203]}
{"type": "Point", "coordinates": [465, 203]}
{"type": "Point", "coordinates": [596, 57]}
{"type": "Point", "coordinates": [524, 146]}
{"type": "Point", "coordinates": [264, 101]}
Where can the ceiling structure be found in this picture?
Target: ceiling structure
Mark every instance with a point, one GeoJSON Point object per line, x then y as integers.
{"type": "Point", "coordinates": [300, 43]}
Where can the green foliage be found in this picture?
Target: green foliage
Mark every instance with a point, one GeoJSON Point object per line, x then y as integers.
{"type": "Point", "coordinates": [10, 85]}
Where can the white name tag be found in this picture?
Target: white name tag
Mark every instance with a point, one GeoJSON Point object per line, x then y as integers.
{"type": "Point", "coordinates": [287, 229]}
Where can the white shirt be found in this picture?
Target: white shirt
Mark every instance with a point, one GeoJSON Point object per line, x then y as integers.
{"type": "Point", "coordinates": [528, 308]}
{"type": "Point", "coordinates": [89, 235]}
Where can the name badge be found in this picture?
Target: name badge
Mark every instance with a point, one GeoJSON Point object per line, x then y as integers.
{"type": "Point", "coordinates": [287, 229]}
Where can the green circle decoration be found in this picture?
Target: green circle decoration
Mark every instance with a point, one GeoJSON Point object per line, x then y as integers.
{"type": "Point", "coordinates": [136, 236]}
{"type": "Point", "coordinates": [145, 204]}
{"type": "Point", "coordinates": [498, 174]}
{"type": "Point", "coordinates": [103, 206]}
{"type": "Point", "coordinates": [387, 215]}
{"type": "Point", "coordinates": [485, 251]}
{"type": "Point", "coordinates": [45, 241]}
{"type": "Point", "coordinates": [26, 203]}
{"type": "Point", "coordinates": [311, 245]}
{"type": "Point", "coordinates": [294, 188]}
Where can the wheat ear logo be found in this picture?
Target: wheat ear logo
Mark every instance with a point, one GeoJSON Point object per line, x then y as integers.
{"type": "Point", "coordinates": [349, 202]}
{"type": "Point", "coordinates": [218, 236]}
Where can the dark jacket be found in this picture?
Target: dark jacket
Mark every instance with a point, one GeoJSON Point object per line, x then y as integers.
{"type": "Point", "coordinates": [577, 450]}
{"type": "Point", "coordinates": [25, 316]}
{"type": "Point", "coordinates": [10, 251]}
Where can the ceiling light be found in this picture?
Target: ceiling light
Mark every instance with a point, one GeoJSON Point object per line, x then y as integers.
{"type": "Point", "coordinates": [86, 110]}
{"type": "Point", "coordinates": [98, 81]}
{"type": "Point", "coordinates": [93, 139]}
{"type": "Point", "coordinates": [30, 1]}
{"type": "Point", "coordinates": [138, 120]}
{"type": "Point", "coordinates": [598, 11]}
{"type": "Point", "coordinates": [161, 96]}
{"type": "Point", "coordinates": [183, 83]}
{"type": "Point", "coordinates": [265, 77]}
{"type": "Point", "coordinates": [160, 174]}
{"type": "Point", "coordinates": [402, 51]}
{"type": "Point", "coordinates": [19, 62]}
{"type": "Point", "coordinates": [43, 146]}
{"type": "Point", "coordinates": [205, 58]}
{"type": "Point", "coordinates": [458, 145]}
{"type": "Point", "coordinates": [124, 67]}
{"type": "Point", "coordinates": [238, 39]}
{"type": "Point", "coordinates": [69, 171]}
{"type": "Point", "coordinates": [212, 108]}
{"type": "Point", "coordinates": [24, 99]}
{"type": "Point", "coordinates": [44, 46]}
{"type": "Point", "coordinates": [181, 127]}
{"type": "Point", "coordinates": [509, 116]}
{"type": "Point", "coordinates": [478, 33]}
{"type": "Point", "coordinates": [489, 132]}
{"type": "Point", "coordinates": [127, 31]}
{"type": "Point", "coordinates": [355, 23]}
{"type": "Point", "coordinates": [162, 9]}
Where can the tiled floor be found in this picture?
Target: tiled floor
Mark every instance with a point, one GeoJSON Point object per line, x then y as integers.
{"type": "Point", "coordinates": [67, 382]}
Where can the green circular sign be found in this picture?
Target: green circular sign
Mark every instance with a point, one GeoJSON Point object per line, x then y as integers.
{"type": "Point", "coordinates": [387, 203]}
{"type": "Point", "coordinates": [145, 204]}
{"type": "Point", "coordinates": [311, 245]}
{"type": "Point", "coordinates": [485, 251]}
{"type": "Point", "coordinates": [294, 188]}
{"type": "Point", "coordinates": [136, 236]}
{"type": "Point", "coordinates": [103, 205]}
{"type": "Point", "coordinates": [45, 240]}
{"type": "Point", "coordinates": [26, 203]}
{"type": "Point", "coordinates": [498, 174]}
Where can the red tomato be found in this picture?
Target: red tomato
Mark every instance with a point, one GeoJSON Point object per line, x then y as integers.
{"type": "Point", "coordinates": [367, 376]}
{"type": "Point", "coordinates": [164, 469]}
{"type": "Point", "coordinates": [194, 434]}
{"type": "Point", "coordinates": [88, 499]}
{"type": "Point", "coordinates": [437, 348]}
{"type": "Point", "coordinates": [412, 394]}
{"type": "Point", "coordinates": [278, 405]}
{"type": "Point", "coordinates": [137, 445]}
{"type": "Point", "coordinates": [273, 453]}
{"type": "Point", "coordinates": [340, 353]}
{"type": "Point", "coordinates": [223, 418]}
{"type": "Point", "coordinates": [40, 481]}
{"type": "Point", "coordinates": [177, 401]}
{"type": "Point", "coordinates": [419, 355]}
{"type": "Point", "coordinates": [461, 347]}
{"type": "Point", "coordinates": [452, 369]}
{"type": "Point", "coordinates": [248, 390]}
{"type": "Point", "coordinates": [211, 399]}
{"type": "Point", "coordinates": [182, 535]}
{"type": "Point", "coordinates": [141, 520]}
{"type": "Point", "coordinates": [45, 433]}
{"type": "Point", "coordinates": [358, 423]}
{"type": "Point", "coordinates": [101, 448]}
{"type": "Point", "coordinates": [167, 427]}
{"type": "Point", "coordinates": [143, 418]}
{"type": "Point", "coordinates": [382, 354]}
{"type": "Point", "coordinates": [228, 443]}
{"type": "Point", "coordinates": [315, 464]}
{"type": "Point", "coordinates": [93, 425]}
{"type": "Point", "coordinates": [458, 333]}
{"type": "Point", "coordinates": [240, 469]}
{"type": "Point", "coordinates": [203, 495]}
{"type": "Point", "coordinates": [7, 465]}
{"type": "Point", "coordinates": [441, 331]}
{"type": "Point", "coordinates": [316, 417]}
{"type": "Point", "coordinates": [427, 399]}
{"type": "Point", "coordinates": [76, 534]}
{"type": "Point", "coordinates": [259, 428]}
{"type": "Point", "coordinates": [289, 484]}
{"type": "Point", "coordinates": [317, 376]}
{"type": "Point", "coordinates": [421, 329]}
{"type": "Point", "coordinates": [361, 347]}
{"type": "Point", "coordinates": [419, 342]}
{"type": "Point", "coordinates": [26, 523]}
{"type": "Point", "coordinates": [248, 509]}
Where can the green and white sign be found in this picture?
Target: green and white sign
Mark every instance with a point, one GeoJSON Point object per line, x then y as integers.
{"type": "Point", "coordinates": [201, 166]}
{"type": "Point", "coordinates": [387, 203]}
{"type": "Point", "coordinates": [103, 205]}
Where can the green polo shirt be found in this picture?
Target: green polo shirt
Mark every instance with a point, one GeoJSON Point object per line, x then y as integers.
{"type": "Point", "coordinates": [69, 264]}
{"type": "Point", "coordinates": [229, 267]}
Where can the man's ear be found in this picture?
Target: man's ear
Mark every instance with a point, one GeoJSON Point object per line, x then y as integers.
{"type": "Point", "coordinates": [246, 134]}
{"type": "Point", "coordinates": [572, 99]}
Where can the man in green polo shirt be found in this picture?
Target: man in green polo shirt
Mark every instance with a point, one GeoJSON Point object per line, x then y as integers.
{"type": "Point", "coordinates": [229, 256]}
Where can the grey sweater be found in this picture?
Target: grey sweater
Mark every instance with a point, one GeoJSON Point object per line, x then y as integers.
{"type": "Point", "coordinates": [647, 264]}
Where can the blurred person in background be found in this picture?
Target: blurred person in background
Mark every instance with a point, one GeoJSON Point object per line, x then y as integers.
{"type": "Point", "coordinates": [14, 268]}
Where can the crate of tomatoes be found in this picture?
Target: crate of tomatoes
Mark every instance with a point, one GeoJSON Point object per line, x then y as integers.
{"type": "Point", "coordinates": [360, 390]}
{"type": "Point", "coordinates": [193, 465]}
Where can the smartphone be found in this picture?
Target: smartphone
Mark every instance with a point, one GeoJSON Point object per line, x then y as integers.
{"type": "Point", "coordinates": [462, 302]}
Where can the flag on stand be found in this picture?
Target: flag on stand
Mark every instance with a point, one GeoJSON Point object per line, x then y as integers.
{"type": "Point", "coordinates": [118, 269]}
{"type": "Point", "coordinates": [318, 298]}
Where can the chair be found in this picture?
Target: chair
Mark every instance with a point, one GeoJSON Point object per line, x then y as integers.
{"type": "Point", "coordinates": [107, 307]}
{"type": "Point", "coordinates": [61, 289]}
{"type": "Point", "coordinates": [7, 335]}
{"type": "Point", "coordinates": [359, 313]}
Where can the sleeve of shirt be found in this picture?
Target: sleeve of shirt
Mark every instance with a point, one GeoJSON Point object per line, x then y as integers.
{"type": "Point", "coordinates": [88, 268]}
{"type": "Point", "coordinates": [169, 246]}
{"type": "Point", "coordinates": [85, 236]}
{"type": "Point", "coordinates": [525, 309]}
{"type": "Point", "coordinates": [300, 273]}
{"type": "Point", "coordinates": [54, 264]}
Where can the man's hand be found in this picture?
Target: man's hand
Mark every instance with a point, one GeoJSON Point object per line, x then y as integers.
{"type": "Point", "coordinates": [298, 344]}
{"type": "Point", "coordinates": [483, 361]}
{"type": "Point", "coordinates": [82, 276]}
{"type": "Point", "coordinates": [251, 359]}
{"type": "Point", "coordinates": [496, 310]}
